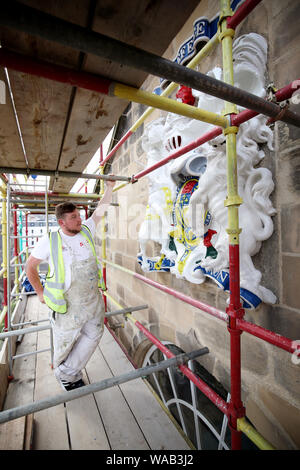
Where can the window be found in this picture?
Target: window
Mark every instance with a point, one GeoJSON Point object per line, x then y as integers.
{"type": "Point", "coordinates": [203, 423]}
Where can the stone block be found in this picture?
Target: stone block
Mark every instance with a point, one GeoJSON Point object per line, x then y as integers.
{"type": "Point", "coordinates": [285, 29]}
{"type": "Point", "coordinates": [287, 415]}
{"type": "Point", "coordinates": [290, 219]}
{"type": "Point", "coordinates": [290, 280]}
{"type": "Point", "coordinates": [222, 373]}
{"type": "Point", "coordinates": [178, 313]}
{"type": "Point", "coordinates": [120, 291]}
{"type": "Point", "coordinates": [153, 315]}
{"type": "Point", "coordinates": [206, 292]}
{"type": "Point", "coordinates": [264, 423]}
{"type": "Point", "coordinates": [132, 247]}
{"type": "Point", "coordinates": [254, 355]}
{"type": "Point", "coordinates": [281, 320]}
{"type": "Point", "coordinates": [166, 332]}
{"type": "Point", "coordinates": [190, 342]}
{"type": "Point", "coordinates": [289, 163]}
{"type": "Point", "coordinates": [213, 333]}
{"type": "Point", "coordinates": [286, 374]}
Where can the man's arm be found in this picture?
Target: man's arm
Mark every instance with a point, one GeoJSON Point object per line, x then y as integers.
{"type": "Point", "coordinates": [33, 276]}
{"type": "Point", "coordinates": [104, 202]}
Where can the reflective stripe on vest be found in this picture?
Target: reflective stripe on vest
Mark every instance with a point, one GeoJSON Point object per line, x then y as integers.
{"type": "Point", "coordinates": [54, 287]}
{"type": "Point", "coordinates": [87, 234]}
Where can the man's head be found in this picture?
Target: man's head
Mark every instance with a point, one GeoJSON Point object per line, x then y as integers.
{"type": "Point", "coordinates": [68, 217]}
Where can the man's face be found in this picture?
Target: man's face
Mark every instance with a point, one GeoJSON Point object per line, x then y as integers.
{"type": "Point", "coordinates": [71, 223]}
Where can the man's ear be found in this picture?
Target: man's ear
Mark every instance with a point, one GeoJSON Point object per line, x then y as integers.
{"type": "Point", "coordinates": [61, 222]}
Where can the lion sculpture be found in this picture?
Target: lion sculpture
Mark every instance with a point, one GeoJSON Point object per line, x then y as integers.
{"type": "Point", "coordinates": [197, 187]}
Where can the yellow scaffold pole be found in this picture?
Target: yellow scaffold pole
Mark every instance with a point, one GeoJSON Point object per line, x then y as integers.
{"type": "Point", "coordinates": [244, 426]}
{"type": "Point", "coordinates": [204, 52]}
{"type": "Point", "coordinates": [232, 202]}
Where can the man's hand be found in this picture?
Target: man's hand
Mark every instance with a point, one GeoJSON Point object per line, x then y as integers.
{"type": "Point", "coordinates": [41, 297]}
{"type": "Point", "coordinates": [110, 183]}
{"type": "Point", "coordinates": [34, 278]}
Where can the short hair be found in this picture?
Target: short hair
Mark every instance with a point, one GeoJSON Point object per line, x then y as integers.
{"type": "Point", "coordinates": [64, 208]}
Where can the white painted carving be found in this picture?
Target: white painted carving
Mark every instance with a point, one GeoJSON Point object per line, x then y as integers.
{"type": "Point", "coordinates": [199, 216]}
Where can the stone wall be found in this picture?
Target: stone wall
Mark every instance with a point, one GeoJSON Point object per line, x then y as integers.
{"type": "Point", "coordinates": [270, 380]}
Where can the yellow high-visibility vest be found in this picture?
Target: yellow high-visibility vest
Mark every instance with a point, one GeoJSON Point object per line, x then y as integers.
{"type": "Point", "coordinates": [54, 286]}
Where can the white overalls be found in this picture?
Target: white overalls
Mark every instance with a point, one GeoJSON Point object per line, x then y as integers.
{"type": "Point", "coordinates": [77, 332]}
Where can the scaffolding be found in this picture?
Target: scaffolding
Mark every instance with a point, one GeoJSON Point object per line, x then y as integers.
{"type": "Point", "coordinates": [227, 123]}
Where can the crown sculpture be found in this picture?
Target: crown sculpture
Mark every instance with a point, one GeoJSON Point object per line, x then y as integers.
{"type": "Point", "coordinates": [185, 214]}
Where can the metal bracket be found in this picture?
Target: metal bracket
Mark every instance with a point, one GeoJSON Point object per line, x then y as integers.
{"type": "Point", "coordinates": [271, 90]}
{"type": "Point", "coordinates": [284, 105]}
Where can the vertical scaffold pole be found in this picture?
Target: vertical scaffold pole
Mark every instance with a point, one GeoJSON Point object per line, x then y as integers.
{"type": "Point", "coordinates": [3, 190]}
{"type": "Point", "coordinates": [103, 237]}
{"type": "Point", "coordinates": [46, 204]}
{"type": "Point", "coordinates": [26, 233]}
{"type": "Point", "coordinates": [8, 287]}
{"type": "Point", "coordinates": [232, 202]}
{"type": "Point", "coordinates": [16, 254]}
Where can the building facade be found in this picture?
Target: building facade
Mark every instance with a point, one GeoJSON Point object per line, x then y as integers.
{"type": "Point", "coordinates": [270, 376]}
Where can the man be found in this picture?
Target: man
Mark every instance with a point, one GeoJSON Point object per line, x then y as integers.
{"type": "Point", "coordinates": [72, 288]}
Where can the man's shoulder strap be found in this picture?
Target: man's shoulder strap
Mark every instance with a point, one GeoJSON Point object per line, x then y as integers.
{"type": "Point", "coordinates": [86, 231]}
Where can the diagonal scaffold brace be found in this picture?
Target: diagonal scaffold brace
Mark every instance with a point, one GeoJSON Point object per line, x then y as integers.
{"type": "Point", "coordinates": [180, 359]}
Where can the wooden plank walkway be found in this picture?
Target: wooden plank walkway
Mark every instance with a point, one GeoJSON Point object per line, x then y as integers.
{"type": "Point", "coordinates": [124, 417]}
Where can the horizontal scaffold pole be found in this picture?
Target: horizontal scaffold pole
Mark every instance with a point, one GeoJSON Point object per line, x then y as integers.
{"type": "Point", "coordinates": [61, 174]}
{"type": "Point", "coordinates": [126, 310]}
{"type": "Point", "coordinates": [241, 13]}
{"type": "Point", "coordinates": [24, 331]}
{"type": "Point", "coordinates": [236, 19]}
{"type": "Point", "coordinates": [102, 85]}
{"type": "Point", "coordinates": [283, 94]}
{"type": "Point", "coordinates": [46, 403]}
{"type": "Point", "coordinates": [200, 384]}
{"type": "Point", "coordinates": [52, 194]}
{"type": "Point", "coordinates": [269, 336]}
{"type": "Point", "coordinates": [38, 23]}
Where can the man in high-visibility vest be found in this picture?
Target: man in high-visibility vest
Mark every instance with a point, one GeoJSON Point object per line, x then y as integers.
{"type": "Point", "coordinates": [72, 288]}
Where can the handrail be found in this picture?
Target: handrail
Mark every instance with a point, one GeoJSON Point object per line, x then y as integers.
{"type": "Point", "coordinates": [269, 336]}
{"type": "Point", "coordinates": [13, 413]}
{"type": "Point", "coordinates": [208, 392]}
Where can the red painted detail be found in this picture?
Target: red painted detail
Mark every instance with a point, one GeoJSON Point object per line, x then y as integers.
{"type": "Point", "coordinates": [185, 95]}
{"type": "Point", "coordinates": [208, 237]}
{"type": "Point", "coordinates": [189, 186]}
